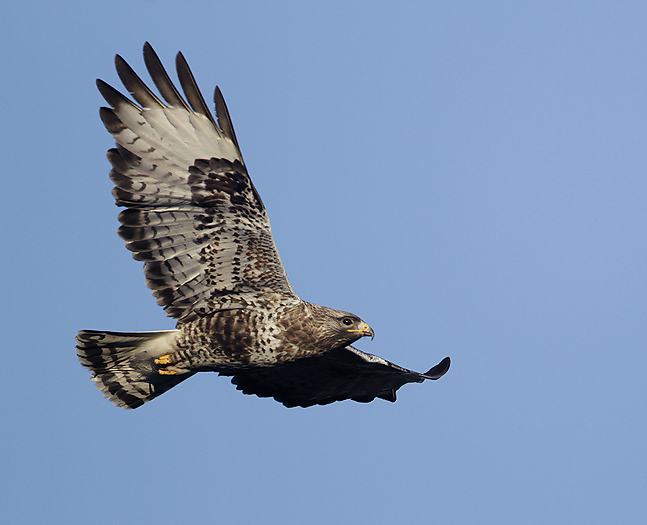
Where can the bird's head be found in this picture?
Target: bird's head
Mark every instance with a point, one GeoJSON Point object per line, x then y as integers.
{"type": "Point", "coordinates": [352, 324]}
{"type": "Point", "coordinates": [343, 328]}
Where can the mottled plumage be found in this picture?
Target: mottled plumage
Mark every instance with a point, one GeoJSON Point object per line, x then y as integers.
{"type": "Point", "coordinates": [195, 219]}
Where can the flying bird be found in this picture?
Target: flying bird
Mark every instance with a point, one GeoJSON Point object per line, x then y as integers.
{"type": "Point", "coordinates": [194, 218]}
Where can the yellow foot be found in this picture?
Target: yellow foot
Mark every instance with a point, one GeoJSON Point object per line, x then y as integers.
{"type": "Point", "coordinates": [163, 360]}
{"type": "Point", "coordinates": [166, 372]}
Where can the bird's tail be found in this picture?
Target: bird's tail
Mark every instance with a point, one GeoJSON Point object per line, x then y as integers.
{"type": "Point", "coordinates": [122, 364]}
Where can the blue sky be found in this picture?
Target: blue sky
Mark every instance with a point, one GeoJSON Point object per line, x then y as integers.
{"type": "Point", "coordinates": [468, 177]}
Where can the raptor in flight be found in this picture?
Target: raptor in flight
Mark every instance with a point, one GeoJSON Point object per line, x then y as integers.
{"type": "Point", "coordinates": [193, 216]}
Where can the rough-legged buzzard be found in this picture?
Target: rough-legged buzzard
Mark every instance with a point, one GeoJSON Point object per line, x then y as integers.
{"type": "Point", "coordinates": [195, 219]}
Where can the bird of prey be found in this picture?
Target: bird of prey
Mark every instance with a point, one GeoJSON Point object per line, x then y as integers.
{"type": "Point", "coordinates": [195, 219]}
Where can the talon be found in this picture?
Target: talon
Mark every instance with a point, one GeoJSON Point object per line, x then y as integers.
{"type": "Point", "coordinates": [163, 360]}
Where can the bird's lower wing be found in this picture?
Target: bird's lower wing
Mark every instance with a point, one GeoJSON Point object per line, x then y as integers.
{"type": "Point", "coordinates": [344, 373]}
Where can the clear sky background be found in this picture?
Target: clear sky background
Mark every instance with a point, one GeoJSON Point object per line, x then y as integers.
{"type": "Point", "coordinates": [468, 177]}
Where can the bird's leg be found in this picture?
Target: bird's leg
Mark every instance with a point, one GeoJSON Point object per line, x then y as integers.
{"type": "Point", "coordinates": [163, 360]}
{"type": "Point", "coordinates": [163, 363]}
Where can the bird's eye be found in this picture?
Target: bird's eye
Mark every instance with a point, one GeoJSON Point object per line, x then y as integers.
{"type": "Point", "coordinates": [347, 321]}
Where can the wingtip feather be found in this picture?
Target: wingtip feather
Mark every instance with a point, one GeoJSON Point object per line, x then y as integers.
{"type": "Point", "coordinates": [224, 119]}
{"type": "Point", "coordinates": [191, 89]}
{"type": "Point", "coordinates": [439, 370]}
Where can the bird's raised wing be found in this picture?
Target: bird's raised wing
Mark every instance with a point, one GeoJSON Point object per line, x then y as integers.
{"type": "Point", "coordinates": [343, 373]}
{"type": "Point", "coordinates": [193, 215]}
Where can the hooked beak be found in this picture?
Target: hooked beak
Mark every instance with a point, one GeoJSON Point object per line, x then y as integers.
{"type": "Point", "coordinates": [365, 330]}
